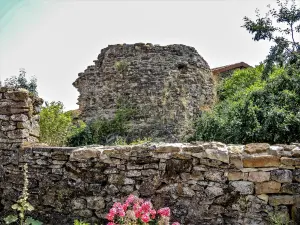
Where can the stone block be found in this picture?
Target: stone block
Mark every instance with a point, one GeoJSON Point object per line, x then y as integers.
{"type": "Point", "coordinates": [19, 117]}
{"type": "Point", "coordinates": [287, 161]}
{"type": "Point", "coordinates": [291, 188]}
{"type": "Point", "coordinates": [236, 161]}
{"type": "Point", "coordinates": [255, 148]}
{"type": "Point", "coordinates": [150, 172]}
{"type": "Point", "coordinates": [275, 150]}
{"type": "Point", "coordinates": [282, 176]}
{"type": "Point", "coordinates": [275, 200]}
{"type": "Point", "coordinates": [78, 203]}
{"type": "Point", "coordinates": [243, 187]}
{"type": "Point", "coordinates": [264, 197]}
{"type": "Point", "coordinates": [19, 133]}
{"type": "Point", "coordinates": [235, 149]}
{"type": "Point", "coordinates": [259, 176]}
{"type": "Point", "coordinates": [220, 154]}
{"type": "Point", "coordinates": [86, 213]}
{"type": "Point", "coordinates": [133, 173]}
{"type": "Point", "coordinates": [214, 191]}
{"type": "Point", "coordinates": [214, 175]}
{"type": "Point", "coordinates": [83, 154]}
{"type": "Point", "coordinates": [267, 187]}
{"type": "Point", "coordinates": [170, 148]}
{"type": "Point", "coordinates": [95, 202]}
{"type": "Point", "coordinates": [111, 171]}
{"type": "Point", "coordinates": [296, 152]}
{"type": "Point", "coordinates": [296, 175]}
{"type": "Point", "coordinates": [237, 176]}
{"type": "Point", "coordinates": [261, 161]}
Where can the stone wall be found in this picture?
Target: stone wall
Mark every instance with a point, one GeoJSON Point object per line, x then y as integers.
{"type": "Point", "coordinates": [167, 85]}
{"type": "Point", "coordinates": [202, 183]}
{"type": "Point", "coordinates": [18, 117]}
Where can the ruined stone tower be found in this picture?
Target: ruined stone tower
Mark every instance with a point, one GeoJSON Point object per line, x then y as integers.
{"type": "Point", "coordinates": [168, 85]}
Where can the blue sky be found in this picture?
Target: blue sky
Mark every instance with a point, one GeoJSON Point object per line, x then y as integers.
{"type": "Point", "coordinates": [54, 40]}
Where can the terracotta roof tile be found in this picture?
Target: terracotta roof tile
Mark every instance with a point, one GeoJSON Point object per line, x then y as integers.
{"type": "Point", "coordinates": [222, 69]}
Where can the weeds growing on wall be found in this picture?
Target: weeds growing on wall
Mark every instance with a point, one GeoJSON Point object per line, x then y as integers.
{"type": "Point", "coordinates": [121, 66]}
{"type": "Point", "coordinates": [22, 206]}
{"type": "Point", "coordinates": [104, 131]}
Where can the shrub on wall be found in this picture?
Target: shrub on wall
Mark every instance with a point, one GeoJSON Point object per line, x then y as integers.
{"type": "Point", "coordinates": [22, 82]}
{"type": "Point", "coordinates": [104, 131]}
{"type": "Point", "coordinates": [56, 126]}
{"type": "Point", "coordinates": [253, 109]}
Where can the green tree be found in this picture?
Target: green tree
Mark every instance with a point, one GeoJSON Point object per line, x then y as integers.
{"type": "Point", "coordinates": [257, 111]}
{"type": "Point", "coordinates": [281, 26]}
{"type": "Point", "coordinates": [56, 126]}
{"type": "Point", "coordinates": [22, 82]}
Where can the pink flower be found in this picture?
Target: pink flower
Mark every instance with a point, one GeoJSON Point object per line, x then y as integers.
{"type": "Point", "coordinates": [137, 213]}
{"type": "Point", "coordinates": [113, 211]}
{"type": "Point", "coordinates": [125, 206]}
{"type": "Point", "coordinates": [164, 211]}
{"type": "Point", "coordinates": [110, 216]}
{"type": "Point", "coordinates": [153, 213]}
{"type": "Point", "coordinates": [111, 223]}
{"type": "Point", "coordinates": [145, 218]}
{"type": "Point", "coordinates": [121, 213]}
{"type": "Point", "coordinates": [130, 199]}
{"type": "Point", "coordinates": [175, 223]}
{"type": "Point", "coordinates": [136, 207]}
{"type": "Point", "coordinates": [117, 204]}
{"type": "Point", "coordinates": [146, 207]}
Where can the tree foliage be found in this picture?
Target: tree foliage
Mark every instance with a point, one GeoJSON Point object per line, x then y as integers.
{"type": "Point", "coordinates": [282, 27]}
{"type": "Point", "coordinates": [56, 126]}
{"type": "Point", "coordinates": [261, 104]}
{"type": "Point", "coordinates": [256, 111]}
{"type": "Point", "coordinates": [22, 82]}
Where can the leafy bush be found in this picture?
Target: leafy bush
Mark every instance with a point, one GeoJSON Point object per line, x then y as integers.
{"type": "Point", "coordinates": [103, 131]}
{"type": "Point", "coordinates": [22, 82]}
{"type": "Point", "coordinates": [56, 126]}
{"type": "Point", "coordinates": [255, 110]}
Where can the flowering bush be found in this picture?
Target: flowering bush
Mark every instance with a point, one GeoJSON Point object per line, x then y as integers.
{"type": "Point", "coordinates": [136, 211]}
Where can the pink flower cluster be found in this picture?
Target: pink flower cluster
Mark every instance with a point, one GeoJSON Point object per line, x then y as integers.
{"type": "Point", "coordinates": [137, 211]}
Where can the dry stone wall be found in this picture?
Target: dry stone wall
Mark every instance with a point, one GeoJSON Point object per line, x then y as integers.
{"type": "Point", "coordinates": [167, 85]}
{"type": "Point", "coordinates": [202, 183]}
{"type": "Point", "coordinates": [18, 117]}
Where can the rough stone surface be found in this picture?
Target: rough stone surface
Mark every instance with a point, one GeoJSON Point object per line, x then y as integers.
{"type": "Point", "coordinates": [256, 148]}
{"type": "Point", "coordinates": [282, 176]}
{"type": "Point", "coordinates": [243, 187]}
{"type": "Point", "coordinates": [261, 161]}
{"type": "Point", "coordinates": [69, 183]}
{"type": "Point", "coordinates": [167, 85]}
{"type": "Point", "coordinates": [259, 176]}
{"type": "Point", "coordinates": [281, 200]}
{"type": "Point", "coordinates": [267, 187]}
{"type": "Point", "coordinates": [19, 119]}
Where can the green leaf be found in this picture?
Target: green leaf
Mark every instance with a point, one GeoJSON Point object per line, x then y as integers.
{"type": "Point", "coordinates": [31, 221]}
{"type": "Point", "coordinates": [15, 206]}
{"type": "Point", "coordinates": [10, 219]}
